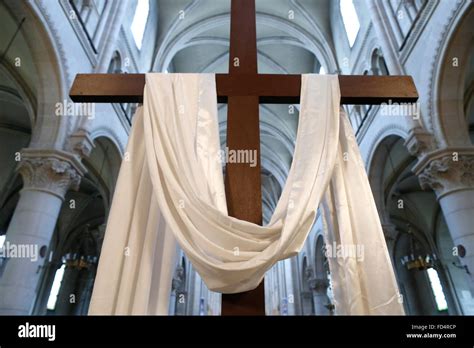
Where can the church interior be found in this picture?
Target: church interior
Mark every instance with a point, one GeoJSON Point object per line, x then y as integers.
{"type": "Point", "coordinates": [58, 172]}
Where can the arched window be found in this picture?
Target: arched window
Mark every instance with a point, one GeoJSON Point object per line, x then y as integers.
{"type": "Point", "coordinates": [115, 66]}
{"type": "Point", "coordinates": [53, 296]}
{"type": "Point", "coordinates": [71, 289]}
{"type": "Point", "coordinates": [437, 289]}
{"type": "Point", "coordinates": [350, 20]}
{"type": "Point", "coordinates": [377, 64]}
{"type": "Point", "coordinates": [140, 20]}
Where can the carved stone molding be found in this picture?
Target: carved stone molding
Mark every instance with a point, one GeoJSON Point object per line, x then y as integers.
{"type": "Point", "coordinates": [436, 62]}
{"type": "Point", "coordinates": [56, 34]}
{"type": "Point", "coordinates": [81, 143]}
{"type": "Point", "coordinates": [50, 171]}
{"type": "Point", "coordinates": [446, 171]}
{"type": "Point", "coordinates": [419, 142]}
{"type": "Point", "coordinates": [319, 285]}
{"type": "Point", "coordinates": [177, 283]}
{"type": "Point", "coordinates": [314, 283]}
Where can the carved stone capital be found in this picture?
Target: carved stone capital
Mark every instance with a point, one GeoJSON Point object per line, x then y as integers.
{"type": "Point", "coordinates": [419, 142]}
{"type": "Point", "coordinates": [308, 273]}
{"type": "Point", "coordinates": [81, 143]}
{"type": "Point", "coordinates": [447, 171]}
{"type": "Point", "coordinates": [177, 283]}
{"type": "Point", "coordinates": [319, 284]}
{"type": "Point", "coordinates": [50, 171]}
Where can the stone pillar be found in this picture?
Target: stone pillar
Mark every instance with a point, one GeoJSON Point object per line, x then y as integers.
{"type": "Point", "coordinates": [319, 288]}
{"type": "Point", "coordinates": [47, 176]}
{"type": "Point", "coordinates": [450, 173]}
{"type": "Point", "coordinates": [103, 22]}
{"type": "Point", "coordinates": [388, 36]}
{"type": "Point", "coordinates": [111, 35]}
{"type": "Point", "coordinates": [178, 289]}
{"type": "Point", "coordinates": [106, 39]}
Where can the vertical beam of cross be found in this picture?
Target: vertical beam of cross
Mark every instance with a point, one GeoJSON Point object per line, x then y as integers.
{"type": "Point", "coordinates": [243, 182]}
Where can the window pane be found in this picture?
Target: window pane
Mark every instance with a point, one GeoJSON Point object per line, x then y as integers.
{"type": "Point", "coordinates": [53, 296]}
{"type": "Point", "coordinates": [139, 21]}
{"type": "Point", "coordinates": [350, 19]}
{"type": "Point", "coordinates": [437, 290]}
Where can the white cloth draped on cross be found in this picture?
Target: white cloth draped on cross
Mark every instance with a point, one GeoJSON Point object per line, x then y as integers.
{"type": "Point", "coordinates": [171, 188]}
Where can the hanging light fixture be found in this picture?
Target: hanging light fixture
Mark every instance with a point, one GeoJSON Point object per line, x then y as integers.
{"type": "Point", "coordinates": [417, 257]}
{"type": "Point", "coordinates": [76, 260]}
{"type": "Point", "coordinates": [82, 256]}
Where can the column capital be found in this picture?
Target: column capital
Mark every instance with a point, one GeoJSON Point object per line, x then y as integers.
{"type": "Point", "coordinates": [319, 284]}
{"type": "Point", "coordinates": [447, 170]}
{"type": "Point", "coordinates": [51, 171]}
{"type": "Point", "coordinates": [419, 142]}
{"type": "Point", "coordinates": [315, 283]}
{"type": "Point", "coordinates": [177, 282]}
{"type": "Point", "coordinates": [81, 143]}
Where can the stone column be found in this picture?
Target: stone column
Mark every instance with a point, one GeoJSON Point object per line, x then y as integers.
{"type": "Point", "coordinates": [319, 288]}
{"type": "Point", "coordinates": [450, 173]}
{"type": "Point", "coordinates": [111, 35]}
{"type": "Point", "coordinates": [103, 22]}
{"type": "Point", "coordinates": [106, 39]}
{"type": "Point", "coordinates": [387, 35]}
{"type": "Point", "coordinates": [178, 289]}
{"type": "Point", "coordinates": [47, 176]}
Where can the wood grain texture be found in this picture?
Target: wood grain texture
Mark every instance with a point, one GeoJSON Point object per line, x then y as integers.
{"type": "Point", "coordinates": [269, 88]}
{"type": "Point", "coordinates": [244, 190]}
{"type": "Point", "coordinates": [242, 181]}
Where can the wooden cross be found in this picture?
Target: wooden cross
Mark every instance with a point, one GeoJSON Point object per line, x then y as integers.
{"type": "Point", "coordinates": [243, 89]}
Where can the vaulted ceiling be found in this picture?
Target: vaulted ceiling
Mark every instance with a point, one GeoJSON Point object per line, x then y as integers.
{"type": "Point", "coordinates": [293, 36]}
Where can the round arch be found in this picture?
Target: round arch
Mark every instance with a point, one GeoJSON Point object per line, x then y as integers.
{"type": "Point", "coordinates": [103, 165]}
{"type": "Point", "coordinates": [449, 76]}
{"type": "Point", "coordinates": [314, 44]}
{"type": "Point", "coordinates": [46, 69]}
{"type": "Point", "coordinates": [319, 258]}
{"type": "Point", "coordinates": [376, 170]}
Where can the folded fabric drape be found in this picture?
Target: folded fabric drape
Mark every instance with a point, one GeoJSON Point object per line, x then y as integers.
{"type": "Point", "coordinates": [177, 178]}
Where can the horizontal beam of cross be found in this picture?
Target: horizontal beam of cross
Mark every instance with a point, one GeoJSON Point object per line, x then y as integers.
{"type": "Point", "coordinates": [270, 88]}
